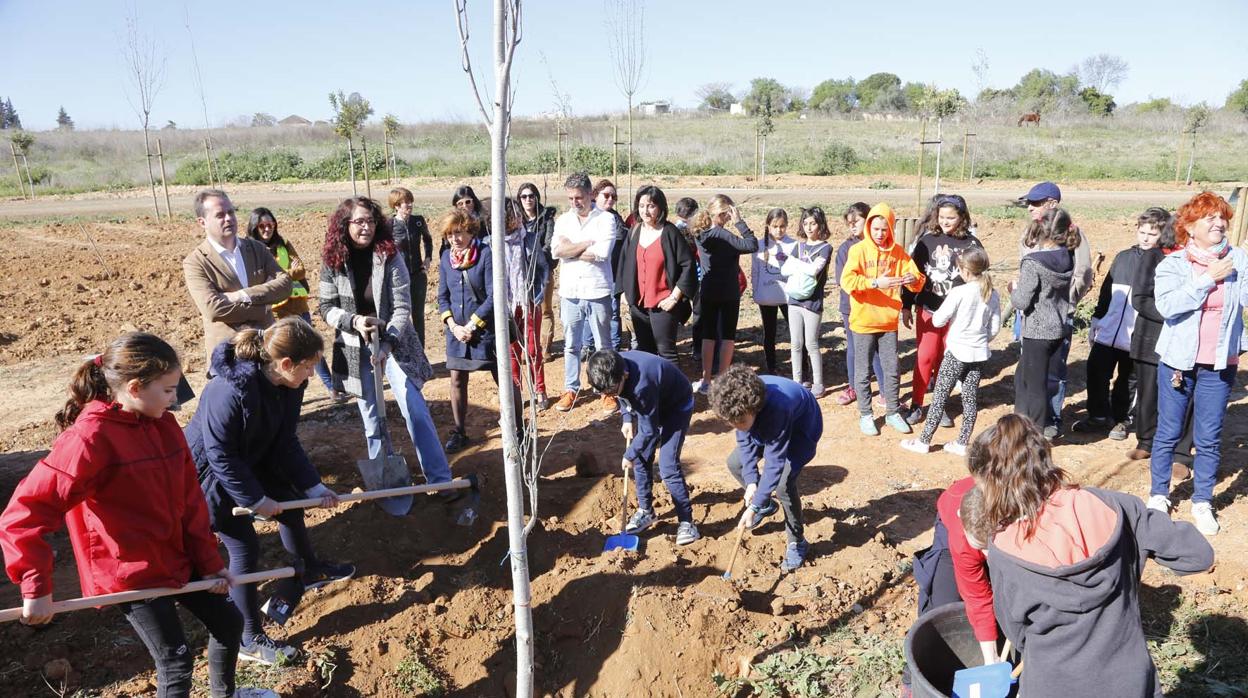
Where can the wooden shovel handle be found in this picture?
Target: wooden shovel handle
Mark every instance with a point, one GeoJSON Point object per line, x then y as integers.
{"type": "Point", "coordinates": [146, 594]}
{"type": "Point", "coordinates": [736, 547]}
{"type": "Point", "coordinates": [363, 496]}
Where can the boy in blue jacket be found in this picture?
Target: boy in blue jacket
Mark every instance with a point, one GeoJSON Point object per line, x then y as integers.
{"type": "Point", "coordinates": [656, 403]}
{"type": "Point", "coordinates": [779, 423]}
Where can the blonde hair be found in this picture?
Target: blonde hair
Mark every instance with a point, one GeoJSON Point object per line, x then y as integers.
{"type": "Point", "coordinates": [705, 220]}
{"type": "Point", "coordinates": [975, 262]}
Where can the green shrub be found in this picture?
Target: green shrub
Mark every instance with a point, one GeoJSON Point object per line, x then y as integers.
{"type": "Point", "coordinates": [242, 166]}
{"type": "Point", "coordinates": [836, 159]}
{"type": "Point", "coordinates": [594, 160]}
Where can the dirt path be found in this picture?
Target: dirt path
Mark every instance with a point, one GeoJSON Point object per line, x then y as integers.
{"type": "Point", "coordinates": [783, 190]}
{"type": "Point", "coordinates": [433, 596]}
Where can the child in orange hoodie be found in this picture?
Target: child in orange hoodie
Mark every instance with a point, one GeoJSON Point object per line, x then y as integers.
{"type": "Point", "coordinates": [875, 272]}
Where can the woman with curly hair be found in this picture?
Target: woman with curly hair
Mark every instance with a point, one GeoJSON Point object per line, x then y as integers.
{"type": "Point", "coordinates": [1200, 290]}
{"type": "Point", "coordinates": [364, 297]}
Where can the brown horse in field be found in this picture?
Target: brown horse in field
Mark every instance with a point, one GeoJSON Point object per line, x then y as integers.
{"type": "Point", "coordinates": [1032, 118]}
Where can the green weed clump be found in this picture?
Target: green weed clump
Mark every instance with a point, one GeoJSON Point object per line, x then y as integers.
{"type": "Point", "coordinates": [415, 675]}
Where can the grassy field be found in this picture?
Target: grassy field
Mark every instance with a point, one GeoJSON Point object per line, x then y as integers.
{"type": "Point", "coordinates": [1129, 146]}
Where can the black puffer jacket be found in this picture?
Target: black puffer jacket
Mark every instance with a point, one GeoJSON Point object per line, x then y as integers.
{"type": "Point", "coordinates": [1148, 322]}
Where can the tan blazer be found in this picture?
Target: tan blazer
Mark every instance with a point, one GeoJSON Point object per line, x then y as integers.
{"type": "Point", "coordinates": [209, 278]}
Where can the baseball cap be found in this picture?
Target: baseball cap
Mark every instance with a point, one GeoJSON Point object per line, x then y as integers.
{"type": "Point", "coordinates": [1042, 191]}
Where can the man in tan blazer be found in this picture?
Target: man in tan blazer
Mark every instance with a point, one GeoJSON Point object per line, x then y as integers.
{"type": "Point", "coordinates": [234, 281]}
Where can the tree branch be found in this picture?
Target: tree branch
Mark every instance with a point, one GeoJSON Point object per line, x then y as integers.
{"type": "Point", "coordinates": [461, 22]}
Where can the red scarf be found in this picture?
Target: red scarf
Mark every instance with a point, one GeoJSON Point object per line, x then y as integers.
{"type": "Point", "coordinates": [466, 258]}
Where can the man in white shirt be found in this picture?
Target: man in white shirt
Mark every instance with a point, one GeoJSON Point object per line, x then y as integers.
{"type": "Point", "coordinates": [582, 240]}
{"type": "Point", "coordinates": [233, 281]}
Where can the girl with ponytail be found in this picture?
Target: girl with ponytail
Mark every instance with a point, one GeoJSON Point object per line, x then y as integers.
{"type": "Point", "coordinates": [247, 452]}
{"type": "Point", "coordinates": [121, 479]}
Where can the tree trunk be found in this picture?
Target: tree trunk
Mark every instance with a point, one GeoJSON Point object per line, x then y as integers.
{"type": "Point", "coordinates": [151, 178]}
{"type": "Point", "coordinates": [1191, 161]}
{"type": "Point", "coordinates": [21, 184]}
{"type": "Point", "coordinates": [512, 453]}
{"type": "Point", "coordinates": [630, 147]}
{"type": "Point", "coordinates": [940, 142]}
{"type": "Point", "coordinates": [368, 183]}
{"type": "Point", "coordinates": [762, 161]}
{"type": "Point", "coordinates": [351, 160]}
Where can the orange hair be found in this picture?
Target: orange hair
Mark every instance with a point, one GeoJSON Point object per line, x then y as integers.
{"type": "Point", "coordinates": [1196, 208]}
{"type": "Point", "coordinates": [455, 220]}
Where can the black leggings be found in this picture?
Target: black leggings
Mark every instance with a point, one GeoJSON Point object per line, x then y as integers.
{"type": "Point", "coordinates": [770, 317]}
{"type": "Point", "coordinates": [156, 621]}
{"type": "Point", "coordinates": [243, 545]}
{"type": "Point", "coordinates": [1040, 359]}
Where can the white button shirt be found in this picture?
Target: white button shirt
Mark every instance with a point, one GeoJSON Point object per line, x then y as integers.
{"type": "Point", "coordinates": [579, 279]}
{"type": "Point", "coordinates": [234, 258]}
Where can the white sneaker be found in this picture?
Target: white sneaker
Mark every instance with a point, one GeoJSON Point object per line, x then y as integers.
{"type": "Point", "coordinates": [955, 448]}
{"type": "Point", "coordinates": [1159, 502]}
{"type": "Point", "coordinates": [701, 387]}
{"type": "Point", "coordinates": [916, 445]}
{"type": "Point", "coordinates": [1205, 521]}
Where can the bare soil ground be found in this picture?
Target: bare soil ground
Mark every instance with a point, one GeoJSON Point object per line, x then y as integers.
{"type": "Point", "coordinates": [430, 606]}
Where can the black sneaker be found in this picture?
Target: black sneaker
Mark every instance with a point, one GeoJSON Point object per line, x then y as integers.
{"type": "Point", "coordinates": [264, 650]}
{"type": "Point", "coordinates": [322, 573]}
{"type": "Point", "coordinates": [457, 442]}
{"type": "Point", "coordinates": [767, 510]}
{"type": "Point", "coordinates": [1092, 424]}
{"type": "Point", "coordinates": [916, 416]}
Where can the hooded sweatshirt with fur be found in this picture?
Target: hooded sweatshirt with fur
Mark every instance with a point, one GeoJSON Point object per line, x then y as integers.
{"type": "Point", "coordinates": [1069, 596]}
{"type": "Point", "coordinates": [873, 310]}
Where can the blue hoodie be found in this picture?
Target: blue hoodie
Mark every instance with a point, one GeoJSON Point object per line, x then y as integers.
{"type": "Point", "coordinates": [655, 392]}
{"type": "Point", "coordinates": [785, 430]}
{"type": "Point", "coordinates": [243, 438]}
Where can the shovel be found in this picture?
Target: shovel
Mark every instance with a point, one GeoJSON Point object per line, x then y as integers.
{"type": "Point", "coordinates": [622, 540]}
{"type": "Point", "coordinates": [388, 470]}
{"type": "Point", "coordinates": [145, 594]}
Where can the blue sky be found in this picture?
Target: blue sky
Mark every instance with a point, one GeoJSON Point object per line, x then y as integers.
{"type": "Point", "coordinates": [285, 57]}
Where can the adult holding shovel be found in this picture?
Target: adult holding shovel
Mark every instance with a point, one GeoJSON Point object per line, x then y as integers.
{"type": "Point", "coordinates": [120, 477]}
{"type": "Point", "coordinates": [364, 297]}
{"type": "Point", "coordinates": [247, 452]}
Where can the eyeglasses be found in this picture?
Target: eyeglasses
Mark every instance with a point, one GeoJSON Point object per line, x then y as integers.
{"type": "Point", "coordinates": [266, 226]}
{"type": "Point", "coordinates": [608, 195]}
{"type": "Point", "coordinates": [362, 222]}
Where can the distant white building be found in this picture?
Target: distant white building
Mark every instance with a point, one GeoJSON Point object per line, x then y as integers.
{"type": "Point", "coordinates": [736, 109]}
{"type": "Point", "coordinates": [295, 120]}
{"type": "Point", "coordinates": [653, 108]}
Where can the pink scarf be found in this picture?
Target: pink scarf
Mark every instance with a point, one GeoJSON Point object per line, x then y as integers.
{"type": "Point", "coordinates": [1205, 257]}
{"type": "Point", "coordinates": [466, 258]}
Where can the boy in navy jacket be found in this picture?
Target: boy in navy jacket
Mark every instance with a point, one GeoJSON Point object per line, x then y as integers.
{"type": "Point", "coordinates": [656, 404]}
{"type": "Point", "coordinates": [779, 423]}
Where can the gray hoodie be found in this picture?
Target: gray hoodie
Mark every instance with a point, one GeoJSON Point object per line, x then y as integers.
{"type": "Point", "coordinates": [1078, 626]}
{"type": "Point", "coordinates": [1043, 293]}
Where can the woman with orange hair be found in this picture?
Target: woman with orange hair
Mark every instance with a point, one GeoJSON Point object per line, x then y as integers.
{"type": "Point", "coordinates": [1201, 289]}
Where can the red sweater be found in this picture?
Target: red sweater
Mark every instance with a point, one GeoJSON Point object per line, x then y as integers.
{"type": "Point", "coordinates": [126, 488]}
{"type": "Point", "coordinates": [970, 566]}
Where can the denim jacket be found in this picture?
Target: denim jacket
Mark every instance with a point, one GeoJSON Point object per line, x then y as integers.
{"type": "Point", "coordinates": [1180, 296]}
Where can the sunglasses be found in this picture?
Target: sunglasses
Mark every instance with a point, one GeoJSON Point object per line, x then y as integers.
{"type": "Point", "coordinates": [528, 196]}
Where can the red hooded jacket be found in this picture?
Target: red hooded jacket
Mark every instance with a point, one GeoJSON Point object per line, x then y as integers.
{"type": "Point", "coordinates": [126, 488]}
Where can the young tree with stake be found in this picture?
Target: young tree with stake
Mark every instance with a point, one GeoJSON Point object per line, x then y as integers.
{"type": "Point", "coordinates": [626, 40]}
{"type": "Point", "coordinates": [145, 68]}
{"type": "Point", "coordinates": [349, 116]}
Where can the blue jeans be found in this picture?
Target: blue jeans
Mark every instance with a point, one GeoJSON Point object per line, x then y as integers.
{"type": "Point", "coordinates": [322, 369]}
{"type": "Point", "coordinates": [415, 413]}
{"type": "Point", "coordinates": [1210, 390]}
{"type": "Point", "coordinates": [580, 314]}
{"type": "Point", "coordinates": [1057, 379]}
{"type": "Point", "coordinates": [587, 335]}
{"type": "Point", "coordinates": [671, 437]}
{"type": "Point", "coordinates": [849, 358]}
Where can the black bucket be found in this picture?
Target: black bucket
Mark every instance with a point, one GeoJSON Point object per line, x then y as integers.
{"type": "Point", "coordinates": [940, 644]}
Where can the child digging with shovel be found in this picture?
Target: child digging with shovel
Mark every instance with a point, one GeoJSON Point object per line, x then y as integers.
{"type": "Point", "coordinates": [121, 478]}
{"type": "Point", "coordinates": [778, 422]}
{"type": "Point", "coordinates": [245, 448]}
{"type": "Point", "coordinates": [656, 404]}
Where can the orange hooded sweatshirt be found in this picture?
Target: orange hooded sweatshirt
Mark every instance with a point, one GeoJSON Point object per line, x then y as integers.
{"type": "Point", "coordinates": [871, 309]}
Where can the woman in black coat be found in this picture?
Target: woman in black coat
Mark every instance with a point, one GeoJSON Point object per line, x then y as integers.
{"type": "Point", "coordinates": [656, 274]}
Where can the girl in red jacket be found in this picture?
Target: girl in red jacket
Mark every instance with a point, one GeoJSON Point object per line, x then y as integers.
{"type": "Point", "coordinates": [121, 478]}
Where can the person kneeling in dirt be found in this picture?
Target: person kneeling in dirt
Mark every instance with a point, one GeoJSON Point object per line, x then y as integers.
{"type": "Point", "coordinates": [656, 404]}
{"type": "Point", "coordinates": [245, 448]}
{"type": "Point", "coordinates": [779, 422]}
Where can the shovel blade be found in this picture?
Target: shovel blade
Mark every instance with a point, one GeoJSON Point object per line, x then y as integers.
{"type": "Point", "coordinates": [620, 541]}
{"type": "Point", "coordinates": [384, 473]}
